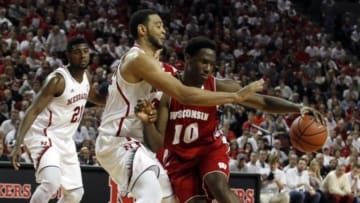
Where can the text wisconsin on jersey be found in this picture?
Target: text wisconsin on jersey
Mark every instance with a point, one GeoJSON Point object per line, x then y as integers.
{"type": "Point", "coordinates": [189, 113]}
{"type": "Point", "coordinates": [77, 98]}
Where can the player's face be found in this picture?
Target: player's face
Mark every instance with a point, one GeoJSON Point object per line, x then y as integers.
{"type": "Point", "coordinates": [155, 31]}
{"type": "Point", "coordinates": [79, 56]}
{"type": "Point", "coordinates": [202, 64]}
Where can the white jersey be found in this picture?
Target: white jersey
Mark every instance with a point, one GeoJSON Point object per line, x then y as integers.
{"type": "Point", "coordinates": [119, 147]}
{"type": "Point", "coordinates": [61, 118]}
{"type": "Point", "coordinates": [118, 118]}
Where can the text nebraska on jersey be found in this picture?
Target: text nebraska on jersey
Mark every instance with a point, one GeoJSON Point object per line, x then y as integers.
{"type": "Point", "coordinates": [189, 113]}
{"type": "Point", "coordinates": [77, 98]}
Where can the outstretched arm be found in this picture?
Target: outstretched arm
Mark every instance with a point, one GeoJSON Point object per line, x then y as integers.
{"type": "Point", "coordinates": [53, 87]}
{"type": "Point", "coordinates": [267, 103]}
{"type": "Point", "coordinates": [145, 67]}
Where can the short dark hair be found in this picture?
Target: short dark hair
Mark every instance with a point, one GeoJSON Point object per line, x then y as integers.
{"type": "Point", "coordinates": [197, 43]}
{"type": "Point", "coordinates": [137, 18]}
{"type": "Point", "coordinates": [75, 41]}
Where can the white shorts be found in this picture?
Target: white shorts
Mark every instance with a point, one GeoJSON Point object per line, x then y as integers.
{"type": "Point", "coordinates": [46, 152]}
{"type": "Point", "coordinates": [125, 159]}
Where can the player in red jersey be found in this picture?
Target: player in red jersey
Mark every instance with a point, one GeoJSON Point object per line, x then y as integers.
{"type": "Point", "coordinates": [195, 153]}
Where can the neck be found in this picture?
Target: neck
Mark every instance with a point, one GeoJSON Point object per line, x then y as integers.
{"type": "Point", "coordinates": [77, 74]}
{"type": "Point", "coordinates": [190, 82]}
{"type": "Point", "coordinates": [146, 47]}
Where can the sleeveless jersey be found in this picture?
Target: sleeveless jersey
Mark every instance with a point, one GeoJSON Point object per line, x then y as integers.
{"type": "Point", "coordinates": [191, 128]}
{"type": "Point", "coordinates": [118, 118]}
{"type": "Point", "coordinates": [61, 118]}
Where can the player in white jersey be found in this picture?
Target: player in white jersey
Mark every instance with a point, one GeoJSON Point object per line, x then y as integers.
{"type": "Point", "coordinates": [50, 122]}
{"type": "Point", "coordinates": [119, 147]}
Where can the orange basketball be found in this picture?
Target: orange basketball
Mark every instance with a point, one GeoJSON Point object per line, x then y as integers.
{"type": "Point", "coordinates": [307, 135]}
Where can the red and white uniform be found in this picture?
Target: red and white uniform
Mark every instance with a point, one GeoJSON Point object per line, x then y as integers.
{"type": "Point", "coordinates": [193, 147]}
{"type": "Point", "coordinates": [50, 137]}
{"type": "Point", "coordinates": [119, 147]}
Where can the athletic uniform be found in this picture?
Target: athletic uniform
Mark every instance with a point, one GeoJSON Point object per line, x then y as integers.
{"type": "Point", "coordinates": [50, 137]}
{"type": "Point", "coordinates": [119, 147]}
{"type": "Point", "coordinates": [193, 147]}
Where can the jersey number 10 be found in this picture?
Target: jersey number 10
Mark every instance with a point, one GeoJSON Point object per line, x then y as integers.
{"type": "Point", "coordinates": [191, 133]}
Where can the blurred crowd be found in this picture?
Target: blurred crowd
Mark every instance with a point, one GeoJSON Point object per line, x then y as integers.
{"type": "Point", "coordinates": [302, 61]}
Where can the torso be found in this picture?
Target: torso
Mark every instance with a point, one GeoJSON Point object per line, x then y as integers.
{"type": "Point", "coordinates": [62, 116]}
{"type": "Point", "coordinates": [118, 118]}
{"type": "Point", "coordinates": [190, 128]}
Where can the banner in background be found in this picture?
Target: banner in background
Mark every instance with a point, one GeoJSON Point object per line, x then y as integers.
{"type": "Point", "coordinates": [18, 186]}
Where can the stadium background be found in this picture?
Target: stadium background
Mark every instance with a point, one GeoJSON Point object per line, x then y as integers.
{"type": "Point", "coordinates": [307, 51]}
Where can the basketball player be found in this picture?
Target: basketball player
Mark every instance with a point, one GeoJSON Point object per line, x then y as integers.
{"type": "Point", "coordinates": [50, 122]}
{"type": "Point", "coordinates": [119, 147]}
{"type": "Point", "coordinates": [195, 152]}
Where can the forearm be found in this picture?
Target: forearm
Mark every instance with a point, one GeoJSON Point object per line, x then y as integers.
{"type": "Point", "coordinates": [206, 98]}
{"type": "Point", "coordinates": [278, 105]}
{"type": "Point", "coordinates": [23, 128]}
{"type": "Point", "coordinates": [152, 137]}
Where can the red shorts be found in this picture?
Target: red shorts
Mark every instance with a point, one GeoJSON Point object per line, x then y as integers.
{"type": "Point", "coordinates": [187, 176]}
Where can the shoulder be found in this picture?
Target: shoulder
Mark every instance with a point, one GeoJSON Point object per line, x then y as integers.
{"type": "Point", "coordinates": [56, 83]}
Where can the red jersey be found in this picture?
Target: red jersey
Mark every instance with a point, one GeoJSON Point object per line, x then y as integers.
{"type": "Point", "coordinates": [191, 129]}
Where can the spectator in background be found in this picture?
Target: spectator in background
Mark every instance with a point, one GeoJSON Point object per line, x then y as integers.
{"type": "Point", "coordinates": [354, 181]}
{"type": "Point", "coordinates": [80, 136]}
{"type": "Point", "coordinates": [39, 41]}
{"type": "Point", "coordinates": [285, 91]}
{"type": "Point", "coordinates": [85, 157]}
{"type": "Point", "coordinates": [261, 163]}
{"type": "Point", "coordinates": [337, 187]}
{"type": "Point", "coordinates": [293, 159]}
{"type": "Point", "coordinates": [278, 151]}
{"type": "Point", "coordinates": [316, 178]}
{"type": "Point", "coordinates": [251, 165]}
{"type": "Point", "coordinates": [56, 41]}
{"type": "Point", "coordinates": [273, 184]}
{"type": "Point", "coordinates": [239, 165]}
{"type": "Point", "coordinates": [9, 124]}
{"type": "Point", "coordinates": [298, 182]}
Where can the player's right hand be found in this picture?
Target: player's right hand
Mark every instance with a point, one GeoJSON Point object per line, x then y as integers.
{"type": "Point", "coordinates": [250, 90]}
{"type": "Point", "coordinates": [146, 111]}
{"type": "Point", "coordinates": [15, 157]}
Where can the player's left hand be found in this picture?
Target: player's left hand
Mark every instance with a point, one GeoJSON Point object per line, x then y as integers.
{"type": "Point", "coordinates": [311, 111]}
{"type": "Point", "coordinates": [146, 111]}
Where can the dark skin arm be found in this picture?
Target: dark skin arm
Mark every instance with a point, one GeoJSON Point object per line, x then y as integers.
{"type": "Point", "coordinates": [258, 101]}
{"type": "Point", "coordinates": [140, 66]}
{"type": "Point", "coordinates": [53, 87]}
{"type": "Point", "coordinates": [267, 103]}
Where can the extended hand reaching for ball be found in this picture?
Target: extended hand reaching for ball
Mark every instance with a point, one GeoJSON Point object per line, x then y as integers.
{"type": "Point", "coordinates": [146, 111]}
{"type": "Point", "coordinates": [319, 118]}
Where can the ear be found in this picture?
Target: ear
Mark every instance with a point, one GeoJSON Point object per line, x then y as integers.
{"type": "Point", "coordinates": [141, 28]}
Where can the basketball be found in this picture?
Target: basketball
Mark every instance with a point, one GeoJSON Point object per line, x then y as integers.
{"type": "Point", "coordinates": [307, 135]}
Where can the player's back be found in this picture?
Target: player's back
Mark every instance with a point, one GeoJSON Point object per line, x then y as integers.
{"type": "Point", "coordinates": [190, 128]}
{"type": "Point", "coordinates": [118, 118]}
{"type": "Point", "coordinates": [61, 118]}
